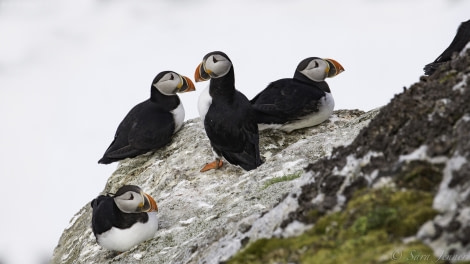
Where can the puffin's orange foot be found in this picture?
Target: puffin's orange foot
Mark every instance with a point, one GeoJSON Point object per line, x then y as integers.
{"type": "Point", "coordinates": [213, 165]}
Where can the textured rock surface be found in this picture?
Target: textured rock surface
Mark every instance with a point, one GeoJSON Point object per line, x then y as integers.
{"type": "Point", "coordinates": [203, 214]}
{"type": "Point", "coordinates": [426, 129]}
{"type": "Point", "coordinates": [400, 187]}
{"type": "Point", "coordinates": [417, 144]}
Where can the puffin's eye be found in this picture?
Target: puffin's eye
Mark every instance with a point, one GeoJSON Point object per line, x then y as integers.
{"type": "Point", "coordinates": [172, 77]}
{"type": "Point", "coordinates": [214, 59]}
{"type": "Point", "coordinates": [316, 64]}
{"type": "Point", "coordinates": [132, 197]}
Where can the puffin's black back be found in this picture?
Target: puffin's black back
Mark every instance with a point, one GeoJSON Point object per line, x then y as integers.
{"type": "Point", "coordinates": [230, 124]}
{"type": "Point", "coordinates": [236, 140]}
{"type": "Point", "coordinates": [106, 215]}
{"type": "Point", "coordinates": [458, 43]}
{"type": "Point", "coordinates": [288, 99]}
{"type": "Point", "coordinates": [148, 126]}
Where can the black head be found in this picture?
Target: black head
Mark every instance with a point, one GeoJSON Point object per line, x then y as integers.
{"type": "Point", "coordinates": [215, 64]}
{"type": "Point", "coordinates": [131, 199]}
{"type": "Point", "coordinates": [317, 69]}
{"type": "Point", "coordinates": [169, 83]}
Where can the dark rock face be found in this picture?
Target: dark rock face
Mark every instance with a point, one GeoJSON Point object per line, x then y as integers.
{"type": "Point", "coordinates": [420, 141]}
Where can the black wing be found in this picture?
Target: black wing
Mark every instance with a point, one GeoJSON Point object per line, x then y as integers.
{"type": "Point", "coordinates": [102, 214]}
{"type": "Point", "coordinates": [145, 128]}
{"type": "Point", "coordinates": [107, 215]}
{"type": "Point", "coordinates": [286, 100]}
{"type": "Point", "coordinates": [233, 131]}
{"type": "Point", "coordinates": [458, 43]}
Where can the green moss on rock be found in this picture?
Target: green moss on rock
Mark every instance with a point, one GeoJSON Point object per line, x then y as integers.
{"type": "Point", "coordinates": [448, 76]}
{"type": "Point", "coordinates": [421, 175]}
{"type": "Point", "coordinates": [284, 178]}
{"type": "Point", "coordinates": [369, 230]}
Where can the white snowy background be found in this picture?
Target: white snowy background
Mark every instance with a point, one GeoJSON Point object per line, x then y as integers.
{"type": "Point", "coordinates": [71, 70]}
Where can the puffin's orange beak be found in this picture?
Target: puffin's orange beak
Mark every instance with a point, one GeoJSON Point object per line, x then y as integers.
{"type": "Point", "coordinates": [335, 68]}
{"type": "Point", "coordinates": [188, 85]}
{"type": "Point", "coordinates": [201, 75]}
{"type": "Point", "coordinates": [153, 205]}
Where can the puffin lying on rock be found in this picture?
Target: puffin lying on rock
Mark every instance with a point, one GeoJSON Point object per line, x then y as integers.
{"type": "Point", "coordinates": [302, 101]}
{"type": "Point", "coordinates": [125, 219]}
{"type": "Point", "coordinates": [151, 124]}
{"type": "Point", "coordinates": [229, 119]}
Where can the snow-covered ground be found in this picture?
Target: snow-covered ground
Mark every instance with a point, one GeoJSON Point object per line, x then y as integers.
{"type": "Point", "coordinates": [70, 71]}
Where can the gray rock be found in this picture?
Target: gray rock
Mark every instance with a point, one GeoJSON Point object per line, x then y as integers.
{"type": "Point", "coordinates": [207, 217]}
{"type": "Point", "coordinates": [424, 132]}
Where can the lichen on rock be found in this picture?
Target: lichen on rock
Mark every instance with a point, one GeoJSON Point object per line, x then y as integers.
{"type": "Point", "coordinates": [199, 213]}
{"type": "Point", "coordinates": [387, 186]}
{"type": "Point", "coordinates": [366, 231]}
{"type": "Point", "coordinates": [417, 145]}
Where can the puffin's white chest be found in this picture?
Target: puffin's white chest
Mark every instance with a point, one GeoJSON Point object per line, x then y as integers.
{"type": "Point", "coordinates": [325, 109]}
{"type": "Point", "coordinates": [124, 239]}
{"type": "Point", "coordinates": [178, 116]}
{"type": "Point", "coordinates": [204, 102]}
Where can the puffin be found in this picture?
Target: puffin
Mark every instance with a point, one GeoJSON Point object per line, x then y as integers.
{"type": "Point", "coordinates": [461, 39]}
{"type": "Point", "coordinates": [302, 101]}
{"type": "Point", "coordinates": [151, 124]}
{"type": "Point", "coordinates": [124, 219]}
{"type": "Point", "coordinates": [227, 115]}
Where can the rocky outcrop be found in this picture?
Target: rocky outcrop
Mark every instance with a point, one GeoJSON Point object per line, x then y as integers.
{"type": "Point", "coordinates": [396, 191]}
{"type": "Point", "coordinates": [198, 212]}
{"type": "Point", "coordinates": [400, 192]}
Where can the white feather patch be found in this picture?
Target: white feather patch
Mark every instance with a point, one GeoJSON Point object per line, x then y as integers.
{"type": "Point", "coordinates": [178, 116]}
{"type": "Point", "coordinates": [204, 102]}
{"type": "Point", "coordinates": [124, 239]}
{"type": "Point", "coordinates": [327, 105]}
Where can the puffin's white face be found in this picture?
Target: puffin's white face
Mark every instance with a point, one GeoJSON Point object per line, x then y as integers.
{"type": "Point", "coordinates": [316, 70]}
{"type": "Point", "coordinates": [130, 202]}
{"type": "Point", "coordinates": [169, 83]}
{"type": "Point", "coordinates": [217, 65]}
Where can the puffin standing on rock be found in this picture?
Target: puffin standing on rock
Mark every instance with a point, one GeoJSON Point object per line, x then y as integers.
{"type": "Point", "coordinates": [302, 101]}
{"type": "Point", "coordinates": [227, 115]}
{"type": "Point", "coordinates": [151, 124]}
{"type": "Point", "coordinates": [125, 219]}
